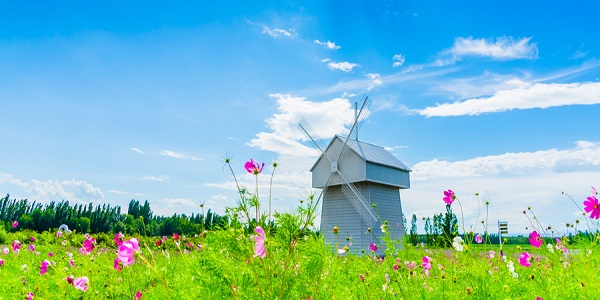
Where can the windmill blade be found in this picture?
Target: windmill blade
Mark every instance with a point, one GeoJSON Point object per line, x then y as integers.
{"type": "Point", "coordinates": [311, 134]}
{"type": "Point", "coordinates": [359, 202]}
{"type": "Point", "coordinates": [362, 114]}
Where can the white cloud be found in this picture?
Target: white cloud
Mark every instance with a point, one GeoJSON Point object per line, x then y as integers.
{"type": "Point", "coordinates": [218, 197]}
{"type": "Point", "coordinates": [170, 206]}
{"type": "Point", "coordinates": [399, 60]}
{"type": "Point", "coordinates": [523, 96]}
{"type": "Point", "coordinates": [155, 178]}
{"type": "Point", "coordinates": [118, 192]}
{"type": "Point", "coordinates": [584, 156]}
{"type": "Point", "coordinates": [327, 118]}
{"type": "Point", "coordinates": [342, 66]}
{"type": "Point", "coordinates": [54, 190]}
{"type": "Point", "coordinates": [137, 150]}
{"type": "Point", "coordinates": [511, 182]}
{"type": "Point", "coordinates": [178, 155]}
{"type": "Point", "coordinates": [503, 48]}
{"type": "Point", "coordinates": [277, 33]}
{"type": "Point", "coordinates": [328, 44]}
{"type": "Point", "coordinates": [375, 80]}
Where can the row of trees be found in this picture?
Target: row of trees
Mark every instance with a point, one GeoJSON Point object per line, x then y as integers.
{"type": "Point", "coordinates": [103, 218]}
{"type": "Point", "coordinates": [439, 230]}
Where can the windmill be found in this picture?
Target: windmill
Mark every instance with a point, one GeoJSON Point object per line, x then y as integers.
{"type": "Point", "coordinates": [353, 176]}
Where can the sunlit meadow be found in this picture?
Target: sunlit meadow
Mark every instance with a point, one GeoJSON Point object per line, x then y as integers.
{"type": "Point", "coordinates": [263, 255]}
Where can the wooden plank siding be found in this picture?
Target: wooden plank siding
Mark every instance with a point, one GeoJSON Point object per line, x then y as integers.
{"type": "Point", "coordinates": [338, 211]}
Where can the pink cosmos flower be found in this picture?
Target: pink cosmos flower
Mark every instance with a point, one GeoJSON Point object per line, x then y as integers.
{"type": "Point", "coordinates": [5, 251]}
{"type": "Point", "coordinates": [16, 245]}
{"type": "Point", "coordinates": [30, 296]}
{"type": "Point", "coordinates": [525, 259]}
{"type": "Point", "coordinates": [81, 283]}
{"type": "Point", "coordinates": [426, 264]}
{"type": "Point", "coordinates": [1, 262]}
{"type": "Point", "coordinates": [88, 245]}
{"type": "Point", "coordinates": [59, 233]}
{"type": "Point", "coordinates": [31, 247]}
{"type": "Point", "coordinates": [50, 254]}
{"type": "Point", "coordinates": [44, 267]}
{"type": "Point", "coordinates": [119, 237]}
{"type": "Point", "coordinates": [259, 242]}
{"type": "Point", "coordinates": [118, 265]}
{"type": "Point", "coordinates": [478, 239]}
{"type": "Point", "coordinates": [72, 263]}
{"type": "Point", "coordinates": [362, 277]}
{"type": "Point", "coordinates": [15, 224]}
{"type": "Point", "coordinates": [70, 279]}
{"type": "Point", "coordinates": [33, 239]}
{"type": "Point", "coordinates": [535, 239]}
{"type": "Point", "coordinates": [127, 251]}
{"type": "Point", "coordinates": [449, 197]}
{"type": "Point", "coordinates": [592, 207]}
{"type": "Point", "coordinates": [372, 247]}
{"type": "Point", "coordinates": [253, 167]}
{"type": "Point", "coordinates": [176, 236]}
{"type": "Point", "coordinates": [138, 295]}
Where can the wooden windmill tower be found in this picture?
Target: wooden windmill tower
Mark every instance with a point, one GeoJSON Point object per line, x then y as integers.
{"type": "Point", "coordinates": [354, 175]}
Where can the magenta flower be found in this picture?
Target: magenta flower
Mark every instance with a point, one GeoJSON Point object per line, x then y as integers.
{"type": "Point", "coordinates": [81, 283]}
{"type": "Point", "coordinates": [88, 245]}
{"type": "Point", "coordinates": [30, 296]}
{"type": "Point", "coordinates": [535, 239]}
{"type": "Point", "coordinates": [259, 242]}
{"type": "Point", "coordinates": [15, 224]}
{"type": "Point", "coordinates": [253, 167]}
{"type": "Point", "coordinates": [50, 254]}
{"type": "Point", "coordinates": [372, 247]}
{"type": "Point", "coordinates": [478, 239]}
{"type": "Point", "coordinates": [426, 264]}
{"type": "Point", "coordinates": [59, 233]}
{"type": "Point", "coordinates": [119, 237]}
{"type": "Point", "coordinates": [592, 207]}
{"type": "Point", "coordinates": [1, 262]}
{"type": "Point", "coordinates": [525, 259]}
{"type": "Point", "coordinates": [33, 239]}
{"type": "Point", "coordinates": [118, 265]}
{"type": "Point", "coordinates": [449, 197]}
{"type": "Point", "coordinates": [16, 245]}
{"type": "Point", "coordinates": [72, 263]}
{"type": "Point", "coordinates": [31, 247]}
{"type": "Point", "coordinates": [362, 277]}
{"type": "Point", "coordinates": [127, 251]}
{"type": "Point", "coordinates": [44, 267]}
{"type": "Point", "coordinates": [138, 295]}
{"type": "Point", "coordinates": [70, 279]}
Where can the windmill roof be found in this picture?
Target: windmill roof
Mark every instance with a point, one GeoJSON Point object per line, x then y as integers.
{"type": "Point", "coordinates": [370, 153]}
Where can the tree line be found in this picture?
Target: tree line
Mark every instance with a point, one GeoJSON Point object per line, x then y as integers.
{"type": "Point", "coordinates": [104, 218]}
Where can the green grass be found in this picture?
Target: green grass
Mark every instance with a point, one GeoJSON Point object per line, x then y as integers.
{"type": "Point", "coordinates": [224, 267]}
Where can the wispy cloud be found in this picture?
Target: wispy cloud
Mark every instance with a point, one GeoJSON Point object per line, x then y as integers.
{"type": "Point", "coordinates": [503, 48]}
{"type": "Point", "coordinates": [155, 178]}
{"type": "Point", "coordinates": [584, 156]}
{"type": "Point", "coordinates": [137, 150]}
{"type": "Point", "coordinates": [118, 192]}
{"type": "Point", "coordinates": [375, 80]}
{"type": "Point", "coordinates": [524, 96]}
{"type": "Point", "coordinates": [279, 33]}
{"type": "Point", "coordinates": [179, 155]}
{"type": "Point", "coordinates": [342, 66]}
{"type": "Point", "coordinates": [399, 60]}
{"type": "Point", "coordinates": [328, 44]}
{"type": "Point", "coordinates": [49, 190]}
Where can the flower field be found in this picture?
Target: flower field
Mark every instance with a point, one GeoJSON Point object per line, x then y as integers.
{"type": "Point", "coordinates": [254, 258]}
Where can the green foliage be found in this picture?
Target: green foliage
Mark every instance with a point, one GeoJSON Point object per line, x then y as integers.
{"type": "Point", "coordinates": [413, 236]}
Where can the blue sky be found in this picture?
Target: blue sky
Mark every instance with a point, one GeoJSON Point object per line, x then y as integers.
{"type": "Point", "coordinates": [112, 102]}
